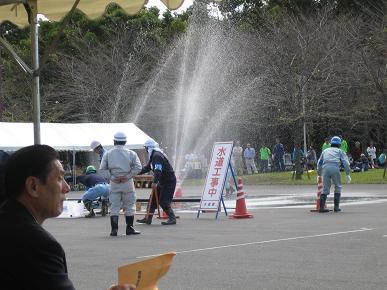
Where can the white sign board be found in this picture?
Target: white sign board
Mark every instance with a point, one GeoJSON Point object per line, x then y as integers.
{"type": "Point", "coordinates": [216, 176]}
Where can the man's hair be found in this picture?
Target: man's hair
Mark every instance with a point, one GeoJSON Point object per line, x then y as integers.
{"type": "Point", "coordinates": [335, 145]}
{"type": "Point", "coordinates": [119, 142]}
{"type": "Point", "coordinates": [33, 160]}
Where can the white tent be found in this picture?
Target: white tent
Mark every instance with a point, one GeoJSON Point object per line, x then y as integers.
{"type": "Point", "coordinates": [72, 137]}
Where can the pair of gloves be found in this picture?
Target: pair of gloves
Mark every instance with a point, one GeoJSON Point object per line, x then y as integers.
{"type": "Point", "coordinates": [347, 178]}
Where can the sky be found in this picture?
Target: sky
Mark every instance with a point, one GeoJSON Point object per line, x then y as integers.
{"type": "Point", "coordinates": [157, 3]}
{"type": "Point", "coordinates": [162, 7]}
{"type": "Point", "coordinates": [186, 4]}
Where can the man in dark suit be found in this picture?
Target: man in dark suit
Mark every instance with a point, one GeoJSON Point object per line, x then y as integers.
{"type": "Point", "coordinates": [34, 190]}
{"type": "Point", "coordinates": [3, 159]}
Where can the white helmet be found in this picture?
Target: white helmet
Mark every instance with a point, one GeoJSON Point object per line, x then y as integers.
{"type": "Point", "coordinates": [95, 144]}
{"type": "Point", "coordinates": [151, 144]}
{"type": "Point", "coordinates": [120, 136]}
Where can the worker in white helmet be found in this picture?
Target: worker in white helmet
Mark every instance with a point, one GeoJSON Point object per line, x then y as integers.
{"type": "Point", "coordinates": [122, 164]}
{"type": "Point", "coordinates": [96, 146]}
{"type": "Point", "coordinates": [164, 181]}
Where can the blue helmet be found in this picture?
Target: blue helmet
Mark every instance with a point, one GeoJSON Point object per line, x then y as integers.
{"type": "Point", "coordinates": [336, 140]}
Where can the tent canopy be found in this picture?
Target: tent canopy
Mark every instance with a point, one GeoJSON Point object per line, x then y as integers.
{"type": "Point", "coordinates": [14, 11]}
{"type": "Point", "coordinates": [71, 137]}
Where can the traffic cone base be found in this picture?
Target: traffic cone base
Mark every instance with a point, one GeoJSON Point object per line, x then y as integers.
{"type": "Point", "coordinates": [164, 216]}
{"type": "Point", "coordinates": [241, 216]}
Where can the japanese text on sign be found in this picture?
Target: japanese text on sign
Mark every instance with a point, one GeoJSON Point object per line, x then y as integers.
{"type": "Point", "coordinates": [216, 175]}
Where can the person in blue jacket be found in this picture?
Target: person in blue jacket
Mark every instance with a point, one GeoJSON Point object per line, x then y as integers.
{"type": "Point", "coordinates": [96, 187]}
{"type": "Point", "coordinates": [164, 182]}
{"type": "Point", "coordinates": [328, 166]}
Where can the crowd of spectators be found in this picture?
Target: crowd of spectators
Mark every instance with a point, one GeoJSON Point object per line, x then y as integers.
{"type": "Point", "coordinates": [249, 159]}
{"type": "Point", "coordinates": [361, 158]}
{"type": "Point", "coordinates": [246, 160]}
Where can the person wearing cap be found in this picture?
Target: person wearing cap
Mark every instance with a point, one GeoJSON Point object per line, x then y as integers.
{"type": "Point", "coordinates": [328, 166]}
{"type": "Point", "coordinates": [122, 165]}
{"type": "Point", "coordinates": [96, 187]}
{"type": "Point", "coordinates": [164, 182]}
{"type": "Point", "coordinates": [96, 146]}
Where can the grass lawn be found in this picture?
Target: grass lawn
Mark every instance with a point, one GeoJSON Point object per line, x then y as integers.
{"type": "Point", "coordinates": [372, 176]}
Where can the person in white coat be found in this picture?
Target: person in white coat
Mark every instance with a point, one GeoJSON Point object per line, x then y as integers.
{"type": "Point", "coordinates": [122, 165]}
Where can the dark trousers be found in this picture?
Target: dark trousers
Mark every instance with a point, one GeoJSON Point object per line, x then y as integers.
{"type": "Point", "coordinates": [264, 165]}
{"type": "Point", "coordinates": [279, 164]}
{"type": "Point", "coordinates": [165, 194]}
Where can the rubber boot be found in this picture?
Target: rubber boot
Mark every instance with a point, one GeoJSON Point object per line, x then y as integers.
{"type": "Point", "coordinates": [114, 225]}
{"type": "Point", "coordinates": [146, 220]}
{"type": "Point", "coordinates": [104, 207]}
{"type": "Point", "coordinates": [171, 218]}
{"type": "Point", "coordinates": [323, 199]}
{"type": "Point", "coordinates": [337, 202]}
{"type": "Point", "coordinates": [129, 226]}
{"type": "Point", "coordinates": [89, 206]}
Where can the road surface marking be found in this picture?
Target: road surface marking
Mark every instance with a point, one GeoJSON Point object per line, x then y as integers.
{"type": "Point", "coordinates": [264, 242]}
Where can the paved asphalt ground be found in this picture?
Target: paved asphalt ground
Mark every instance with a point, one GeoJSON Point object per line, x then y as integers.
{"type": "Point", "coordinates": [280, 248]}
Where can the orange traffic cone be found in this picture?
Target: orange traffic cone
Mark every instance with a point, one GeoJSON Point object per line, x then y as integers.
{"type": "Point", "coordinates": [178, 194]}
{"type": "Point", "coordinates": [164, 216]}
{"type": "Point", "coordinates": [319, 191]}
{"type": "Point", "coordinates": [178, 190]}
{"type": "Point", "coordinates": [240, 210]}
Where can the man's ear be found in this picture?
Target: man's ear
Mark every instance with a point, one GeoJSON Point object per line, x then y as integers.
{"type": "Point", "coordinates": [32, 184]}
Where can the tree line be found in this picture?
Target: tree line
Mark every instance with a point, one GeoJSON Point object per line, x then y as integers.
{"type": "Point", "coordinates": [321, 64]}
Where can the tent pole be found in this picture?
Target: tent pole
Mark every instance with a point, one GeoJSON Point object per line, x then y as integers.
{"type": "Point", "coordinates": [35, 68]}
{"type": "Point", "coordinates": [74, 170]}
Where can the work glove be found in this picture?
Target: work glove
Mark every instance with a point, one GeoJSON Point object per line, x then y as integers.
{"type": "Point", "coordinates": [348, 178]}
